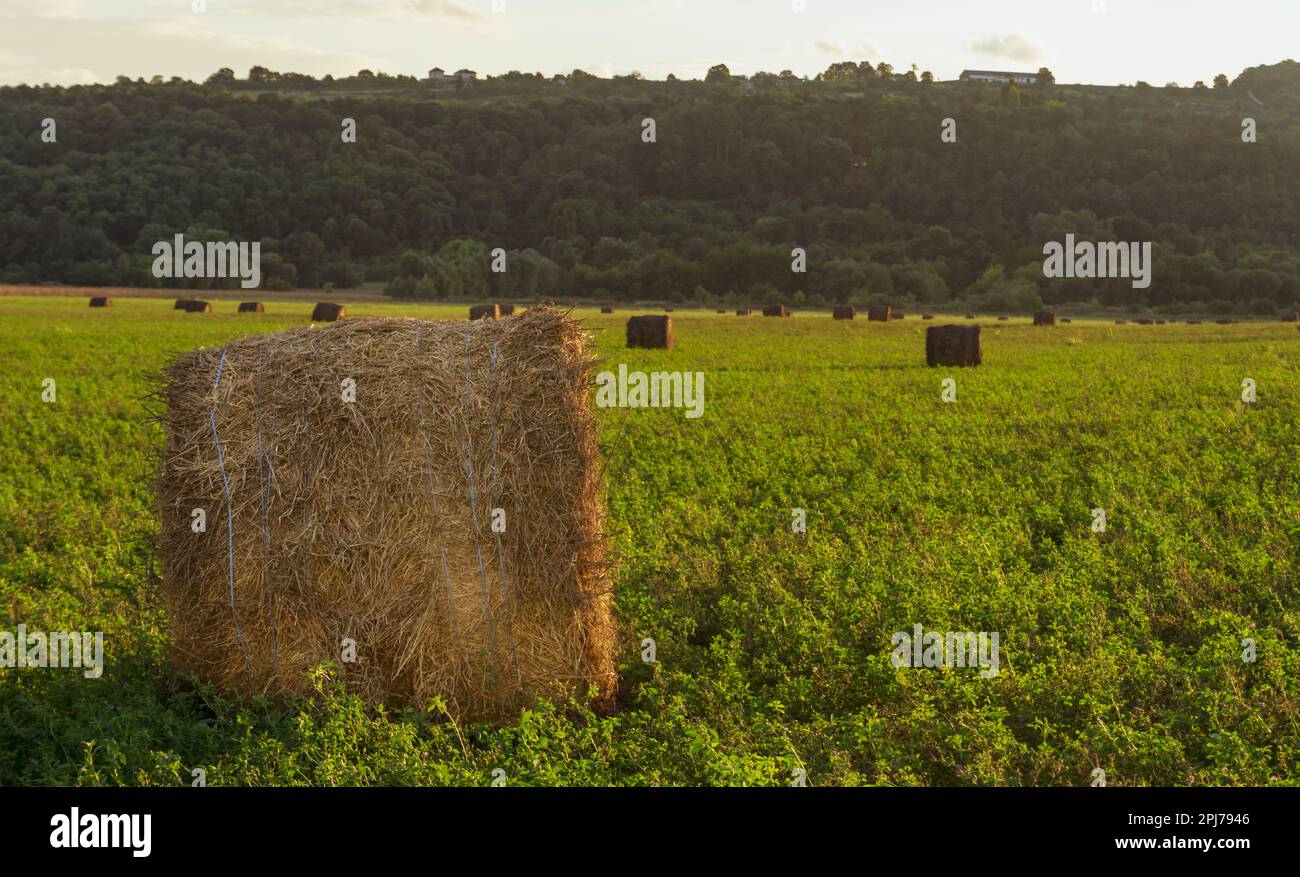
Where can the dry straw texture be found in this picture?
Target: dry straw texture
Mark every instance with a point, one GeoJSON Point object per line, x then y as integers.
{"type": "Point", "coordinates": [372, 520]}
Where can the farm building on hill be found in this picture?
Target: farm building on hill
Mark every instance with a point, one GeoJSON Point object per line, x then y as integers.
{"type": "Point", "coordinates": [998, 76]}
{"type": "Point", "coordinates": [438, 76]}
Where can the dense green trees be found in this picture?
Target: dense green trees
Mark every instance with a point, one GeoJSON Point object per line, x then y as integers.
{"type": "Point", "coordinates": [850, 168]}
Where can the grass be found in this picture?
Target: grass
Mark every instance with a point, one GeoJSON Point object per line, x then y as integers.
{"type": "Point", "coordinates": [1119, 650]}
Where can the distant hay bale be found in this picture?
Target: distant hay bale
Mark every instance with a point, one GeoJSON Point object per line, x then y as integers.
{"type": "Point", "coordinates": [485, 312]}
{"type": "Point", "coordinates": [101, 301]}
{"type": "Point", "coordinates": [251, 307]}
{"type": "Point", "coordinates": [1193, 322]}
{"type": "Point", "coordinates": [1160, 322]}
{"type": "Point", "coordinates": [506, 310]}
{"type": "Point", "coordinates": [742, 312]}
{"type": "Point", "coordinates": [651, 331]}
{"type": "Point", "coordinates": [1004, 319]}
{"type": "Point", "coordinates": [776, 311]}
{"type": "Point", "coordinates": [898, 315]}
{"type": "Point", "coordinates": [954, 345]}
{"type": "Point", "coordinates": [328, 312]}
{"type": "Point", "coordinates": [1145, 322]}
{"type": "Point", "coordinates": [1044, 318]}
{"type": "Point", "coordinates": [927, 316]}
{"type": "Point", "coordinates": [843, 312]}
{"type": "Point", "coordinates": [373, 520]}
{"type": "Point", "coordinates": [878, 313]}
{"type": "Point", "coordinates": [669, 310]}
{"type": "Point", "coordinates": [1120, 322]}
{"type": "Point", "coordinates": [721, 310]}
{"type": "Point", "coordinates": [607, 310]}
{"type": "Point", "coordinates": [180, 304]}
{"type": "Point", "coordinates": [970, 316]}
{"type": "Point", "coordinates": [1066, 320]}
{"type": "Point", "coordinates": [193, 306]}
{"type": "Point", "coordinates": [1225, 322]}
{"type": "Point", "coordinates": [1291, 317]}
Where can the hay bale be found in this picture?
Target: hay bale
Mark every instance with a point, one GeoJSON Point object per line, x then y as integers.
{"type": "Point", "coordinates": [721, 310]}
{"type": "Point", "coordinates": [927, 316]}
{"type": "Point", "coordinates": [101, 301]}
{"type": "Point", "coordinates": [1003, 319]}
{"type": "Point", "coordinates": [843, 312]}
{"type": "Point", "coordinates": [878, 313]}
{"type": "Point", "coordinates": [1193, 322]}
{"type": "Point", "coordinates": [180, 304]}
{"type": "Point", "coordinates": [328, 312]}
{"type": "Point", "coordinates": [742, 312]}
{"type": "Point", "coordinates": [1160, 322]}
{"type": "Point", "coordinates": [1145, 322]}
{"type": "Point", "coordinates": [1120, 322]}
{"type": "Point", "coordinates": [669, 310]}
{"type": "Point", "coordinates": [193, 306]}
{"type": "Point", "coordinates": [1044, 318]}
{"type": "Point", "coordinates": [1066, 320]}
{"type": "Point", "coordinates": [1291, 317]}
{"type": "Point", "coordinates": [372, 520]}
{"type": "Point", "coordinates": [897, 315]}
{"type": "Point", "coordinates": [954, 345]}
{"type": "Point", "coordinates": [651, 331]}
{"type": "Point", "coordinates": [485, 312]}
{"type": "Point", "coordinates": [1225, 322]}
{"type": "Point", "coordinates": [970, 316]}
{"type": "Point", "coordinates": [506, 310]}
{"type": "Point", "coordinates": [607, 310]}
{"type": "Point", "coordinates": [775, 311]}
{"type": "Point", "coordinates": [251, 307]}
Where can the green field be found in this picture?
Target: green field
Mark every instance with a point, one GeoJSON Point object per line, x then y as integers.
{"type": "Point", "coordinates": [1120, 650]}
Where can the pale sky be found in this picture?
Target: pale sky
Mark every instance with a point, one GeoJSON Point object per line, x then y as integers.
{"type": "Point", "coordinates": [81, 41]}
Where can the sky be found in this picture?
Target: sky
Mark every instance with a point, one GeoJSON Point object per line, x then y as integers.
{"type": "Point", "coordinates": [68, 42]}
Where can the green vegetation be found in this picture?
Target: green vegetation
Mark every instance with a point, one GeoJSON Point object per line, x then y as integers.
{"type": "Point", "coordinates": [850, 167]}
{"type": "Point", "coordinates": [1119, 650]}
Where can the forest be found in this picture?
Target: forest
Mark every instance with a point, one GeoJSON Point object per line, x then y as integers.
{"type": "Point", "coordinates": [849, 167]}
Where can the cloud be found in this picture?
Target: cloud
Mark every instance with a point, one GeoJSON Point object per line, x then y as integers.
{"type": "Point", "coordinates": [1011, 46]}
{"type": "Point", "coordinates": [365, 9]}
{"type": "Point", "coordinates": [839, 50]}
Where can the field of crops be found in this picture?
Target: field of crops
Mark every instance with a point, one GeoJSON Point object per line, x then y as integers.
{"type": "Point", "coordinates": [1120, 650]}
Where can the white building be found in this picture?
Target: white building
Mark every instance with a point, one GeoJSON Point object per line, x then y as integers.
{"type": "Point", "coordinates": [998, 76]}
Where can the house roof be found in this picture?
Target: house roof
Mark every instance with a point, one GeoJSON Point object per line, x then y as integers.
{"type": "Point", "coordinates": [998, 73]}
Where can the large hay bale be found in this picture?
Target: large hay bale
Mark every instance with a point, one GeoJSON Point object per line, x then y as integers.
{"type": "Point", "coordinates": [1145, 321]}
{"type": "Point", "coordinates": [775, 311]}
{"type": "Point", "coordinates": [927, 316]}
{"type": "Point", "coordinates": [970, 316]}
{"type": "Point", "coordinates": [193, 306]}
{"type": "Point", "coordinates": [372, 520]}
{"type": "Point", "coordinates": [721, 311]}
{"type": "Point", "coordinates": [844, 312]}
{"type": "Point", "coordinates": [1003, 319]}
{"type": "Point", "coordinates": [954, 345]}
{"type": "Point", "coordinates": [506, 310]}
{"type": "Point", "coordinates": [607, 310]}
{"type": "Point", "coordinates": [251, 307]}
{"type": "Point", "coordinates": [1291, 317]}
{"type": "Point", "coordinates": [898, 315]}
{"type": "Point", "coordinates": [328, 312]}
{"type": "Point", "coordinates": [101, 301]}
{"type": "Point", "coordinates": [1066, 320]}
{"type": "Point", "coordinates": [651, 331]}
{"type": "Point", "coordinates": [1044, 318]}
{"type": "Point", "coordinates": [484, 312]}
{"type": "Point", "coordinates": [879, 313]}
{"type": "Point", "coordinates": [742, 312]}
{"type": "Point", "coordinates": [180, 304]}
